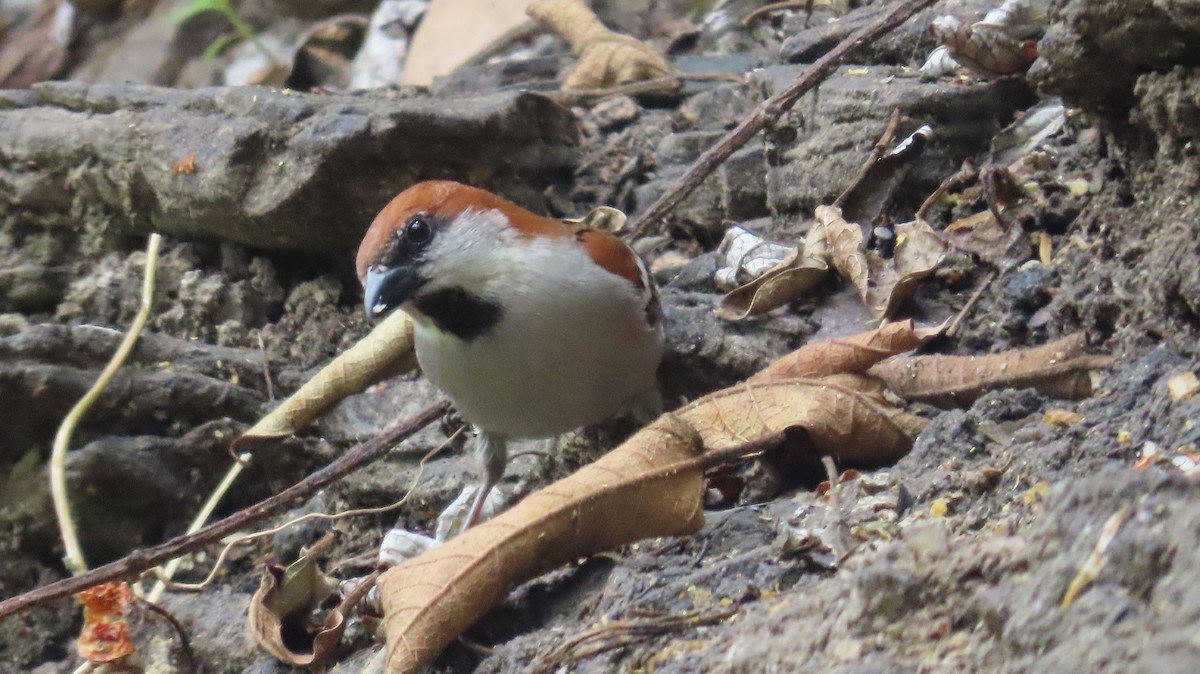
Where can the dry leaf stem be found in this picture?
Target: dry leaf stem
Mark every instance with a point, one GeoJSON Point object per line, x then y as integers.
{"type": "Point", "coordinates": [770, 111]}
{"type": "Point", "coordinates": [140, 560]}
{"type": "Point", "coordinates": [806, 5]}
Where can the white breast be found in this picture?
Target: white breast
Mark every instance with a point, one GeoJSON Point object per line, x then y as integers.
{"type": "Point", "coordinates": [571, 349]}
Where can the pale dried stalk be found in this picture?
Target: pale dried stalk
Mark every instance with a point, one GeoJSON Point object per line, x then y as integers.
{"type": "Point", "coordinates": [75, 562]}
{"type": "Point", "coordinates": [1095, 560]}
{"type": "Point", "coordinates": [168, 572]}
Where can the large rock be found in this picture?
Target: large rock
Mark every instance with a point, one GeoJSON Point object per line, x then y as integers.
{"type": "Point", "coordinates": [815, 151]}
{"type": "Point", "coordinates": [273, 169]}
{"type": "Point", "coordinates": [1095, 50]}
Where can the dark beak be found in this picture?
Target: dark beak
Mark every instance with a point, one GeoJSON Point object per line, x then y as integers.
{"type": "Point", "coordinates": [386, 289]}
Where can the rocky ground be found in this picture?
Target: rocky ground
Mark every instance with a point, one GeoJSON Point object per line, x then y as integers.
{"type": "Point", "coordinates": [956, 558]}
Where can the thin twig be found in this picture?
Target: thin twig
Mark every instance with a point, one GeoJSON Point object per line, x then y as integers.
{"type": "Point", "coordinates": [964, 175]}
{"type": "Point", "coordinates": [139, 560]}
{"type": "Point", "coordinates": [769, 111]}
{"type": "Point", "coordinates": [246, 538]}
{"type": "Point", "coordinates": [266, 367]}
{"type": "Point", "coordinates": [476, 647]}
{"type": "Point", "coordinates": [881, 146]}
{"type": "Point", "coordinates": [184, 644]}
{"type": "Point", "coordinates": [74, 559]}
{"type": "Point", "coordinates": [778, 7]}
{"type": "Point", "coordinates": [974, 299]}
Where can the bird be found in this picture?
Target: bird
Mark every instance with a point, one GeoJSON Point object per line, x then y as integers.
{"type": "Point", "coordinates": [531, 326]}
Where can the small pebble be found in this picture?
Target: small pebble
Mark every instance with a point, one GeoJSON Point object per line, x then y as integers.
{"type": "Point", "coordinates": [615, 112]}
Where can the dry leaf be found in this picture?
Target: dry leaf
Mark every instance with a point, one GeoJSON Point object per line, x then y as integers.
{"type": "Point", "coordinates": [1059, 369]}
{"type": "Point", "coordinates": [1025, 136]}
{"type": "Point", "coordinates": [940, 62]}
{"type": "Point", "coordinates": [851, 355]}
{"type": "Point", "coordinates": [454, 32]}
{"type": "Point", "coordinates": [846, 243]}
{"type": "Point", "coordinates": [998, 45]}
{"type": "Point", "coordinates": [606, 58]}
{"type": "Point", "coordinates": [602, 218]}
{"type": "Point", "coordinates": [986, 49]}
{"type": "Point", "coordinates": [650, 486]}
{"type": "Point", "coordinates": [386, 351]}
{"type": "Point", "coordinates": [788, 280]}
{"type": "Point", "coordinates": [1018, 18]}
{"type": "Point", "coordinates": [1183, 386]}
{"type": "Point", "coordinates": [839, 420]}
{"type": "Point", "coordinates": [105, 635]}
{"type": "Point", "coordinates": [982, 235]}
{"type": "Point", "coordinates": [919, 251]}
{"type": "Point", "coordinates": [744, 256]}
{"type": "Point", "coordinates": [883, 283]}
{"type": "Point", "coordinates": [400, 545]}
{"type": "Point", "coordinates": [281, 608]}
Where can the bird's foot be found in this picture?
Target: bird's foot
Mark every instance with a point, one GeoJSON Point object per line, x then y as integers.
{"type": "Point", "coordinates": [468, 510]}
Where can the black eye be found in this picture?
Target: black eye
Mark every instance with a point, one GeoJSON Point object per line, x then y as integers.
{"type": "Point", "coordinates": [418, 231]}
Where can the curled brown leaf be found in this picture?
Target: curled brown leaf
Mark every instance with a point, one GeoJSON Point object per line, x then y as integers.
{"type": "Point", "coordinates": [1060, 369]}
{"type": "Point", "coordinates": [919, 251]}
{"type": "Point", "coordinates": [606, 58]}
{"type": "Point", "coordinates": [789, 279]}
{"type": "Point", "coordinates": [650, 486]}
{"type": "Point", "coordinates": [845, 422]}
{"type": "Point", "coordinates": [603, 218]}
{"type": "Point", "coordinates": [846, 247]}
{"type": "Point", "coordinates": [884, 283]}
{"type": "Point", "coordinates": [849, 355]}
{"type": "Point", "coordinates": [987, 49]}
{"type": "Point", "coordinates": [280, 610]}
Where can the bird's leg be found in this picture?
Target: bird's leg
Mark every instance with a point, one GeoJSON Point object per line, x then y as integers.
{"type": "Point", "coordinates": [492, 452]}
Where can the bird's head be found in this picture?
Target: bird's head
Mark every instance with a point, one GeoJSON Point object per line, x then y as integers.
{"type": "Point", "coordinates": [438, 244]}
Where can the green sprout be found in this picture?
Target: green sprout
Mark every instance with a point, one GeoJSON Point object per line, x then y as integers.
{"type": "Point", "coordinates": [243, 30]}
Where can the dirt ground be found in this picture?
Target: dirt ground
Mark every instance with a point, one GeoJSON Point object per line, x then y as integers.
{"type": "Point", "coordinates": [955, 558]}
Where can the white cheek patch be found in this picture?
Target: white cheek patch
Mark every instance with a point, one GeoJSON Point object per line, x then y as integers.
{"type": "Point", "coordinates": [475, 247]}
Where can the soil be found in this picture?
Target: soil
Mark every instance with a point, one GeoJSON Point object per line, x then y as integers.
{"type": "Point", "coordinates": [955, 558]}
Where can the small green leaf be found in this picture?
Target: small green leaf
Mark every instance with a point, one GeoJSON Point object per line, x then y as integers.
{"type": "Point", "coordinates": [200, 7]}
{"type": "Point", "coordinates": [217, 46]}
